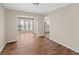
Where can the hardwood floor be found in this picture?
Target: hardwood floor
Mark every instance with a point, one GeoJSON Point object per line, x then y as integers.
{"type": "Point", "coordinates": [30, 44]}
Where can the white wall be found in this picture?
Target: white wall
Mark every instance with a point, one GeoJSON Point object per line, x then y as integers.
{"type": "Point", "coordinates": [64, 26]}
{"type": "Point", "coordinates": [2, 27]}
{"type": "Point", "coordinates": [11, 23]}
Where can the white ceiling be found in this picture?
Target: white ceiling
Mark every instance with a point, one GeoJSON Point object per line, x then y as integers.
{"type": "Point", "coordinates": [42, 8]}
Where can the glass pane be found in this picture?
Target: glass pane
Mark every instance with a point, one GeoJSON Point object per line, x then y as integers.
{"type": "Point", "coordinates": [22, 24]}
{"type": "Point", "coordinates": [31, 25]}
{"type": "Point", "coordinates": [27, 25]}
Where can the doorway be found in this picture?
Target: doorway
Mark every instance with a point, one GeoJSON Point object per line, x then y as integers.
{"type": "Point", "coordinates": [46, 27]}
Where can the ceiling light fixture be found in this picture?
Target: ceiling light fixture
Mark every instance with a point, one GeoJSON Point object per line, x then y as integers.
{"type": "Point", "coordinates": [35, 4]}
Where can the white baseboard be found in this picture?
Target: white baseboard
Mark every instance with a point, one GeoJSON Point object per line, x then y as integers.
{"type": "Point", "coordinates": [2, 47]}
{"type": "Point", "coordinates": [63, 44]}
{"type": "Point", "coordinates": [5, 45]}
{"type": "Point", "coordinates": [11, 41]}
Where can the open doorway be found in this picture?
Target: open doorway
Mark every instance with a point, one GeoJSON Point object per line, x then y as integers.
{"type": "Point", "coordinates": [46, 27]}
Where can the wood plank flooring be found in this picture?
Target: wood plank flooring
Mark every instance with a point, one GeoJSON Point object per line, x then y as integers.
{"type": "Point", "coordinates": [30, 44]}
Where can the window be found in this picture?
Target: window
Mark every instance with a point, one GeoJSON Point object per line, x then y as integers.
{"type": "Point", "coordinates": [25, 24]}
